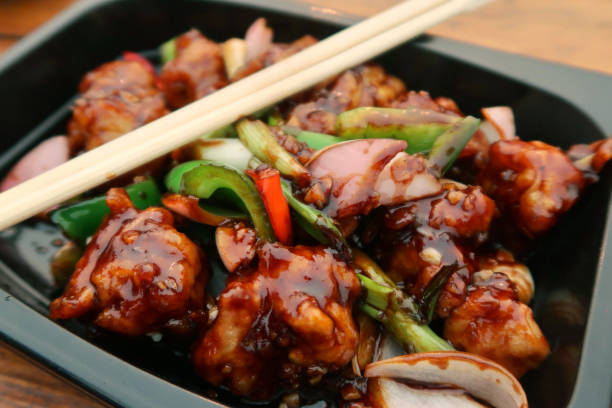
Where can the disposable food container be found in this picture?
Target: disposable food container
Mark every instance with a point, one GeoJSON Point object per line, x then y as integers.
{"type": "Point", "coordinates": [572, 265]}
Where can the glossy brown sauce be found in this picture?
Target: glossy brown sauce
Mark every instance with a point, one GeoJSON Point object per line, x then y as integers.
{"type": "Point", "coordinates": [367, 85]}
{"type": "Point", "coordinates": [196, 71]}
{"type": "Point", "coordinates": [423, 235]}
{"type": "Point", "coordinates": [116, 98]}
{"type": "Point", "coordinates": [288, 320]}
{"type": "Point", "coordinates": [494, 324]}
{"type": "Point", "coordinates": [352, 187]}
{"type": "Point", "coordinates": [531, 181]}
{"type": "Point", "coordinates": [236, 245]}
{"type": "Point", "coordinates": [300, 150]}
{"type": "Point", "coordinates": [136, 273]}
{"type": "Point", "coordinates": [503, 261]}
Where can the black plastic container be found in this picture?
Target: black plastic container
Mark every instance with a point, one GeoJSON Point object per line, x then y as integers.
{"type": "Point", "coordinates": [572, 265]}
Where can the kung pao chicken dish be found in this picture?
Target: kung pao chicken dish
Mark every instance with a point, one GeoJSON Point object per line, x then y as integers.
{"type": "Point", "coordinates": [365, 231]}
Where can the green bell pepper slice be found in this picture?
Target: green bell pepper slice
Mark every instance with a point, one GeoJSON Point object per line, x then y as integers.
{"type": "Point", "coordinates": [81, 220]}
{"type": "Point", "coordinates": [203, 178]}
{"type": "Point", "coordinates": [419, 127]}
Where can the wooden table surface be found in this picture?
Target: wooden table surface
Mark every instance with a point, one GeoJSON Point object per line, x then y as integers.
{"type": "Point", "coordinates": [573, 32]}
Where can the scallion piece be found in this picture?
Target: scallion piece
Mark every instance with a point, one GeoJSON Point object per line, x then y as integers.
{"type": "Point", "coordinates": [167, 51]}
{"type": "Point", "coordinates": [449, 145]}
{"type": "Point", "coordinates": [314, 140]}
{"type": "Point", "coordinates": [384, 302]}
{"type": "Point", "coordinates": [260, 140]}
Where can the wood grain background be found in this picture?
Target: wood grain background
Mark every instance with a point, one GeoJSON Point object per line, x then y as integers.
{"type": "Point", "coordinates": [573, 32]}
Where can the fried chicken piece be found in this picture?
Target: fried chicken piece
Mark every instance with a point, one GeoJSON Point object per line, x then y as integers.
{"type": "Point", "coordinates": [416, 259]}
{"type": "Point", "coordinates": [423, 100]}
{"type": "Point", "coordinates": [494, 324]}
{"type": "Point", "coordinates": [137, 273]}
{"type": "Point", "coordinates": [196, 71]}
{"type": "Point", "coordinates": [285, 321]}
{"type": "Point", "coordinates": [424, 235]}
{"type": "Point", "coordinates": [367, 85]}
{"type": "Point", "coordinates": [533, 182]}
{"type": "Point", "coordinates": [116, 98]}
{"type": "Point", "coordinates": [591, 158]}
{"type": "Point", "coordinates": [277, 52]}
{"type": "Point", "coordinates": [502, 261]}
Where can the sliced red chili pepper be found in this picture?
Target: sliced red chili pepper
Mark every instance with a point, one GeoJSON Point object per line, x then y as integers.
{"type": "Point", "coordinates": [268, 184]}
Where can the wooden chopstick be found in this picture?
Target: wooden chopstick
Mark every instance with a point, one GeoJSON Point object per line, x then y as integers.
{"type": "Point", "coordinates": [242, 98]}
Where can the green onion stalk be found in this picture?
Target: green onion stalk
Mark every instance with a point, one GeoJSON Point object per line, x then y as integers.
{"type": "Point", "coordinates": [316, 223]}
{"type": "Point", "coordinates": [167, 51]}
{"type": "Point", "coordinates": [314, 140]}
{"type": "Point", "coordinates": [259, 139]}
{"type": "Point", "coordinates": [398, 313]}
{"type": "Point", "coordinates": [449, 144]}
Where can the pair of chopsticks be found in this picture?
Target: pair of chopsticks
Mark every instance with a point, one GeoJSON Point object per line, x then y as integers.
{"type": "Point", "coordinates": [337, 53]}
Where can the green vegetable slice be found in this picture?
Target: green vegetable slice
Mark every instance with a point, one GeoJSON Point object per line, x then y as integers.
{"type": "Point", "coordinates": [419, 127]}
{"type": "Point", "coordinates": [81, 220]}
{"type": "Point", "coordinates": [202, 179]}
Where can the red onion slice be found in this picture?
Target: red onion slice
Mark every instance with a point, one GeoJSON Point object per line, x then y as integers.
{"type": "Point", "coordinates": [406, 177]}
{"type": "Point", "coordinates": [258, 38]}
{"type": "Point", "coordinates": [47, 155]}
{"type": "Point", "coordinates": [388, 393]}
{"type": "Point", "coordinates": [502, 118]}
{"type": "Point", "coordinates": [480, 377]}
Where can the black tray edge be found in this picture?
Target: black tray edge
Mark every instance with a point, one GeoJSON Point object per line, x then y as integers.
{"type": "Point", "coordinates": [28, 331]}
{"type": "Point", "coordinates": [588, 90]}
{"type": "Point", "coordinates": [595, 369]}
